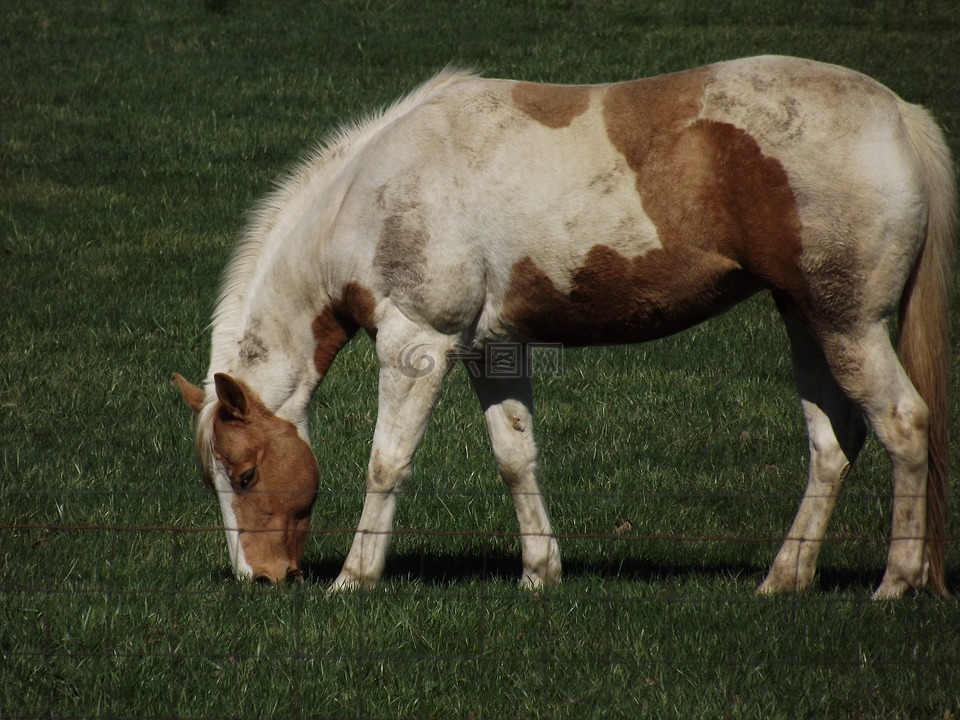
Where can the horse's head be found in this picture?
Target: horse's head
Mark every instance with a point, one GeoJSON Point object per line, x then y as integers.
{"type": "Point", "coordinates": [264, 474]}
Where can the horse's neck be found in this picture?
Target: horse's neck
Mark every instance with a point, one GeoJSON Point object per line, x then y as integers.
{"type": "Point", "coordinates": [263, 329]}
{"type": "Point", "coordinates": [269, 345]}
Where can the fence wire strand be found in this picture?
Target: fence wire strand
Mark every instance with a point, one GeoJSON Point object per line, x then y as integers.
{"type": "Point", "coordinates": [118, 641]}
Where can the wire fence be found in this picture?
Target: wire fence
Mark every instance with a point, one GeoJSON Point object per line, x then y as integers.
{"type": "Point", "coordinates": [138, 620]}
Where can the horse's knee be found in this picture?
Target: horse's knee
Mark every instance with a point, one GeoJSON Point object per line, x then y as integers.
{"type": "Point", "coordinates": [828, 461]}
{"type": "Point", "coordinates": [904, 431]}
{"type": "Point", "coordinates": [387, 471]}
{"type": "Point", "coordinates": [514, 446]}
{"type": "Point", "coordinates": [829, 467]}
{"type": "Point", "coordinates": [517, 465]}
{"type": "Point", "coordinates": [912, 419]}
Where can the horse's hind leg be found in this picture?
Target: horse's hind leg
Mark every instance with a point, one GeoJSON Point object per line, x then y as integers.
{"type": "Point", "coordinates": [868, 368]}
{"type": "Point", "coordinates": [836, 434]}
{"type": "Point", "coordinates": [508, 410]}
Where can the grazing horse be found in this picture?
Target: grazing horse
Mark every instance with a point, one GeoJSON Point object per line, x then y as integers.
{"type": "Point", "coordinates": [477, 211]}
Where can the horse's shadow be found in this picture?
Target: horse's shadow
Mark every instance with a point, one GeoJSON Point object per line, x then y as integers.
{"type": "Point", "coordinates": [471, 567]}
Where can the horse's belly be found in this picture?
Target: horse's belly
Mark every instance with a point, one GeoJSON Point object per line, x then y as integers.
{"type": "Point", "coordinates": [615, 299]}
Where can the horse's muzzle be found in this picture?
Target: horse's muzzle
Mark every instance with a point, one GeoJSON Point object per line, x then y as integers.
{"type": "Point", "coordinates": [294, 576]}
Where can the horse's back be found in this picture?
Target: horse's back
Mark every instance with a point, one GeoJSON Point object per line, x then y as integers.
{"type": "Point", "coordinates": [622, 212]}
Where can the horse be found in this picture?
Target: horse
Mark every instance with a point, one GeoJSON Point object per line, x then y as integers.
{"type": "Point", "coordinates": [478, 211]}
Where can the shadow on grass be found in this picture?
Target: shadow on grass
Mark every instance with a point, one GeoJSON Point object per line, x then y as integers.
{"type": "Point", "coordinates": [441, 569]}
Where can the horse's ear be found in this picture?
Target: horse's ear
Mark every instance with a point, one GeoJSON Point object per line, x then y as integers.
{"type": "Point", "coordinates": [192, 395]}
{"type": "Point", "coordinates": [233, 397]}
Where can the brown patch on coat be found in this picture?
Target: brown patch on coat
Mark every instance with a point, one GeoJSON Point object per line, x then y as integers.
{"type": "Point", "coordinates": [273, 510]}
{"type": "Point", "coordinates": [338, 323]}
{"type": "Point", "coordinates": [359, 303]}
{"type": "Point", "coordinates": [252, 348]}
{"type": "Point", "coordinates": [555, 106]}
{"type": "Point", "coordinates": [613, 298]}
{"type": "Point", "coordinates": [704, 182]}
{"type": "Point", "coordinates": [400, 258]}
{"type": "Point", "coordinates": [834, 281]}
{"type": "Point", "coordinates": [724, 212]}
{"type": "Point", "coordinates": [331, 331]}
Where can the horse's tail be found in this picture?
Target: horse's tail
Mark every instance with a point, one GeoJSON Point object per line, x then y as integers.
{"type": "Point", "coordinates": [924, 329]}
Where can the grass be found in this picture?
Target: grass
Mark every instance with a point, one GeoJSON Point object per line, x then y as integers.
{"type": "Point", "coordinates": [135, 136]}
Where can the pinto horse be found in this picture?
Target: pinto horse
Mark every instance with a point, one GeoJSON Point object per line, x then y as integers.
{"type": "Point", "coordinates": [477, 211]}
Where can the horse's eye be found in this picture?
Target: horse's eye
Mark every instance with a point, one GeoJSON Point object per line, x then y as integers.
{"type": "Point", "coordinates": [246, 479]}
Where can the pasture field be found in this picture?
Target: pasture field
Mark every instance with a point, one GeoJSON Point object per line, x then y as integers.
{"type": "Point", "coordinates": [134, 136]}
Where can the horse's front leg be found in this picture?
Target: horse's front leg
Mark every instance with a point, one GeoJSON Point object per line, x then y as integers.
{"type": "Point", "coordinates": [508, 410]}
{"type": "Point", "coordinates": [413, 363]}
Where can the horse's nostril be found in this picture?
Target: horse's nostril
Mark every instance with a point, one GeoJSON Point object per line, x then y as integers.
{"type": "Point", "coordinates": [294, 575]}
{"type": "Point", "coordinates": [262, 580]}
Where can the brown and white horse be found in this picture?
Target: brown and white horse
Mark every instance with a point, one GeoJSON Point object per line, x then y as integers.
{"type": "Point", "coordinates": [477, 211]}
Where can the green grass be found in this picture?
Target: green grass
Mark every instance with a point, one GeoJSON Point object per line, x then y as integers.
{"type": "Point", "coordinates": [133, 139]}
